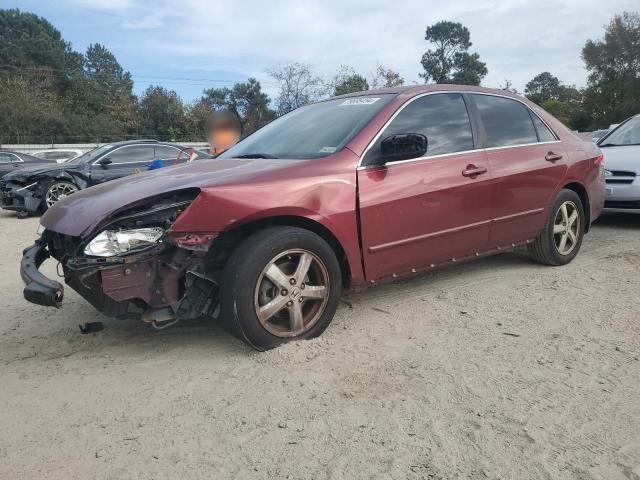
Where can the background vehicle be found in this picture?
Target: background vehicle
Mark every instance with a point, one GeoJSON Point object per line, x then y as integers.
{"type": "Point", "coordinates": [11, 161]}
{"type": "Point", "coordinates": [349, 192]}
{"type": "Point", "coordinates": [598, 134]}
{"type": "Point", "coordinates": [621, 148]}
{"type": "Point", "coordinates": [37, 188]}
{"type": "Point", "coordinates": [59, 155]}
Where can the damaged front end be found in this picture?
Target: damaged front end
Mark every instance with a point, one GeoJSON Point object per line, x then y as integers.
{"type": "Point", "coordinates": [20, 195]}
{"type": "Point", "coordinates": [133, 265]}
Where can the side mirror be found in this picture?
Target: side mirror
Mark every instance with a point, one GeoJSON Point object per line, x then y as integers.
{"type": "Point", "coordinates": [103, 162]}
{"type": "Point", "coordinates": [403, 146]}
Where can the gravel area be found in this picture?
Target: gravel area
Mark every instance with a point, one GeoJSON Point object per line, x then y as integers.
{"type": "Point", "coordinates": [495, 369]}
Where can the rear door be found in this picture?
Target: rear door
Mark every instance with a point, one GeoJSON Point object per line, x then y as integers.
{"type": "Point", "coordinates": [527, 162]}
{"type": "Point", "coordinates": [125, 160]}
{"type": "Point", "coordinates": [429, 210]}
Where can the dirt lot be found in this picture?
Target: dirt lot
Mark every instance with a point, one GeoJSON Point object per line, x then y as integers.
{"type": "Point", "coordinates": [494, 369]}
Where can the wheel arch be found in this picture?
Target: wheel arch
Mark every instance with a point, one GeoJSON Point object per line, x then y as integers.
{"type": "Point", "coordinates": [581, 191]}
{"type": "Point", "coordinates": [226, 242]}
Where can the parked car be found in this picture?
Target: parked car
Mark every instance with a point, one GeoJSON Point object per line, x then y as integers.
{"type": "Point", "coordinates": [34, 189]}
{"type": "Point", "coordinates": [621, 148]}
{"type": "Point", "coordinates": [347, 192]}
{"type": "Point", "coordinates": [598, 134]}
{"type": "Point", "coordinates": [11, 161]}
{"type": "Point", "coordinates": [59, 155]}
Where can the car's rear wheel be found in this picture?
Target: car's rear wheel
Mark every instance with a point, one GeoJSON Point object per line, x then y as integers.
{"type": "Point", "coordinates": [561, 238]}
{"type": "Point", "coordinates": [280, 284]}
{"type": "Point", "coordinates": [56, 191]}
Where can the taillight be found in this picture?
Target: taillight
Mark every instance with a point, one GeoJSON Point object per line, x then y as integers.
{"type": "Point", "coordinates": [600, 159]}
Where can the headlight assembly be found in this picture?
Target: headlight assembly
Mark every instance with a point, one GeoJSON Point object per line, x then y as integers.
{"type": "Point", "coordinates": [116, 242]}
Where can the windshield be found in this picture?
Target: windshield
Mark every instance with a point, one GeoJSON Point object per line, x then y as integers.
{"type": "Point", "coordinates": [313, 131]}
{"type": "Point", "coordinates": [90, 155]}
{"type": "Point", "coordinates": [626, 134]}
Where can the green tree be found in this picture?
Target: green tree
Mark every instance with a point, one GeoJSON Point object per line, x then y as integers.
{"type": "Point", "coordinates": [542, 87]}
{"type": "Point", "coordinates": [613, 66]}
{"type": "Point", "coordinates": [246, 99]}
{"type": "Point", "coordinates": [161, 114]}
{"type": "Point", "coordinates": [30, 45]}
{"type": "Point", "coordinates": [195, 119]}
{"type": "Point", "coordinates": [348, 81]}
{"type": "Point", "coordinates": [450, 61]}
{"type": "Point", "coordinates": [564, 102]}
{"type": "Point", "coordinates": [112, 92]}
{"type": "Point", "coordinates": [30, 110]}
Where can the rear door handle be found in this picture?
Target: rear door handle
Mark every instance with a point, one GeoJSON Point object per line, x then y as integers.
{"type": "Point", "coordinates": [473, 171]}
{"type": "Point", "coordinates": [552, 157]}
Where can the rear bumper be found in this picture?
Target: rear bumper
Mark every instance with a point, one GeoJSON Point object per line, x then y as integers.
{"type": "Point", "coordinates": [38, 288]}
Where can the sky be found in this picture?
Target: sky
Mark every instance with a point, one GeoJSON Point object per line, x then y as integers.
{"type": "Point", "coordinates": [190, 45]}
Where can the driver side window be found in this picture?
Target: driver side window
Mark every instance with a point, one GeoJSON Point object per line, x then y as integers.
{"type": "Point", "coordinates": [441, 117]}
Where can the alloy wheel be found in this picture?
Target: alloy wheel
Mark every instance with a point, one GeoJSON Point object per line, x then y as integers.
{"type": "Point", "coordinates": [58, 191]}
{"type": "Point", "coordinates": [566, 228]}
{"type": "Point", "coordinates": [291, 293]}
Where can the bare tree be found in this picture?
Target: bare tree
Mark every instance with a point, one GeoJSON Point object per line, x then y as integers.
{"type": "Point", "coordinates": [298, 86]}
{"type": "Point", "coordinates": [386, 78]}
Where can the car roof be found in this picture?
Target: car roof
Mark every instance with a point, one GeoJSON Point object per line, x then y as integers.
{"type": "Point", "coordinates": [412, 90]}
{"type": "Point", "coordinates": [144, 140]}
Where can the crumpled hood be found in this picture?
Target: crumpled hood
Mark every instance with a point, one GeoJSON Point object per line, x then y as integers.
{"type": "Point", "coordinates": [80, 213]}
{"type": "Point", "coordinates": [27, 173]}
{"type": "Point", "coordinates": [622, 158]}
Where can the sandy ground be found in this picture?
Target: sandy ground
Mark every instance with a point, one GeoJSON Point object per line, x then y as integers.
{"type": "Point", "coordinates": [494, 369]}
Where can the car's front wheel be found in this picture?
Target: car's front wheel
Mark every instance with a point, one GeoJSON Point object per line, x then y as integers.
{"type": "Point", "coordinates": [561, 238]}
{"type": "Point", "coordinates": [280, 284]}
{"type": "Point", "coordinates": [56, 191]}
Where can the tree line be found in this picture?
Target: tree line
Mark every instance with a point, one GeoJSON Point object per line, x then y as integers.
{"type": "Point", "coordinates": [51, 93]}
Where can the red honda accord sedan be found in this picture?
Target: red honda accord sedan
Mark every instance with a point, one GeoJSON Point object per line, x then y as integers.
{"type": "Point", "coordinates": [342, 193]}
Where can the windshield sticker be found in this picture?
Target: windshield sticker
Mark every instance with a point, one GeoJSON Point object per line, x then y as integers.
{"type": "Point", "coordinates": [359, 101]}
{"type": "Point", "coordinates": [328, 149]}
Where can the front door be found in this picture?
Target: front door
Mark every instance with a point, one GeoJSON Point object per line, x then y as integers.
{"type": "Point", "coordinates": [527, 163]}
{"type": "Point", "coordinates": [431, 210]}
{"type": "Point", "coordinates": [125, 160]}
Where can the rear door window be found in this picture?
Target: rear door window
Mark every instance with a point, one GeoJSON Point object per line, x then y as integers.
{"type": "Point", "coordinates": [8, 157]}
{"type": "Point", "coordinates": [165, 152]}
{"type": "Point", "coordinates": [132, 154]}
{"type": "Point", "coordinates": [506, 121]}
{"type": "Point", "coordinates": [441, 117]}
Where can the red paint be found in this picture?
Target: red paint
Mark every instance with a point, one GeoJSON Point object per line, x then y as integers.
{"type": "Point", "coordinates": [412, 214]}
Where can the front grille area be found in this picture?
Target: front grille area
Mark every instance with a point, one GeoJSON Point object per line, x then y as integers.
{"type": "Point", "coordinates": [61, 246]}
{"type": "Point", "coordinates": [621, 177]}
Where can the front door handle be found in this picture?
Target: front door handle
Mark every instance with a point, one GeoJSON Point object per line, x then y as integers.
{"type": "Point", "coordinates": [473, 171]}
{"type": "Point", "coordinates": [552, 157]}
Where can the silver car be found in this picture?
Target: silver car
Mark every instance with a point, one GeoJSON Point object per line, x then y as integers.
{"type": "Point", "coordinates": [621, 149]}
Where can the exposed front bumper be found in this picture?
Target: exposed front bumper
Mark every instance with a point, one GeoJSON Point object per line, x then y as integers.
{"type": "Point", "coordinates": [38, 288]}
{"type": "Point", "coordinates": [17, 198]}
{"type": "Point", "coordinates": [164, 282]}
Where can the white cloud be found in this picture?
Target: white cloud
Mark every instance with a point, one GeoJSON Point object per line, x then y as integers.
{"type": "Point", "coordinates": [517, 39]}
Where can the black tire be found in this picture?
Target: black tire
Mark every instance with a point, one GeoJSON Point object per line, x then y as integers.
{"type": "Point", "coordinates": [243, 272]}
{"type": "Point", "coordinates": [46, 188]}
{"type": "Point", "coordinates": [544, 249]}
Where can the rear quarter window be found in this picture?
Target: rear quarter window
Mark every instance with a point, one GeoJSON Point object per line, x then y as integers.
{"type": "Point", "coordinates": [544, 134]}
